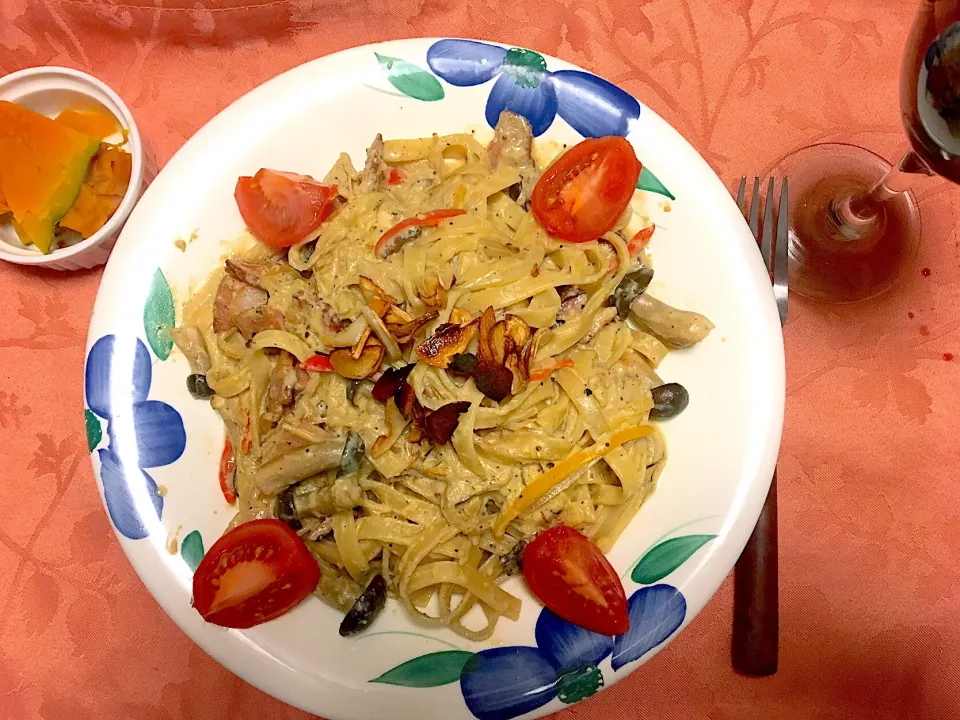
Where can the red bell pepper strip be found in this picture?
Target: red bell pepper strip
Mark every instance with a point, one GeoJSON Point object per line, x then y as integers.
{"type": "Point", "coordinates": [394, 238]}
{"type": "Point", "coordinates": [317, 363]}
{"type": "Point", "coordinates": [641, 239]}
{"type": "Point", "coordinates": [395, 176]}
{"type": "Point", "coordinates": [228, 472]}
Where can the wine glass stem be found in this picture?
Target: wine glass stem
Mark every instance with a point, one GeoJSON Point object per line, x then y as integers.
{"type": "Point", "coordinates": [899, 178]}
{"type": "Point", "coordinates": [855, 213]}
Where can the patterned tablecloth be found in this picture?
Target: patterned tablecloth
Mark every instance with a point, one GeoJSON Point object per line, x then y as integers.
{"type": "Point", "coordinates": [870, 463]}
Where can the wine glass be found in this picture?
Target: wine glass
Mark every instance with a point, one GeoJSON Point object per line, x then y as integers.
{"type": "Point", "coordinates": [854, 224]}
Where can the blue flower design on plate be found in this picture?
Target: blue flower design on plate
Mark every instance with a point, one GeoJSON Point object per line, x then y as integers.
{"type": "Point", "coordinates": [591, 105]}
{"type": "Point", "coordinates": [506, 682]}
{"type": "Point", "coordinates": [158, 438]}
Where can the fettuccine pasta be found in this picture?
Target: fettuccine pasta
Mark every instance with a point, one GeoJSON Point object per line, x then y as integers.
{"type": "Point", "coordinates": [429, 379]}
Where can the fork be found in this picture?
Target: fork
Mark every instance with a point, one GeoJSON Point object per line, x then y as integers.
{"type": "Point", "coordinates": [756, 613]}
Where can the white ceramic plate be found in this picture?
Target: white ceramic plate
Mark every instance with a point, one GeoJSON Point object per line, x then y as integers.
{"type": "Point", "coordinates": [155, 450]}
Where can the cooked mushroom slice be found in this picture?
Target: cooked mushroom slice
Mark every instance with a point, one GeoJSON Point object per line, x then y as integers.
{"type": "Point", "coordinates": [513, 560]}
{"type": "Point", "coordinates": [513, 361]}
{"type": "Point", "coordinates": [377, 299]}
{"type": "Point", "coordinates": [460, 316]}
{"type": "Point", "coordinates": [678, 328]}
{"type": "Point", "coordinates": [517, 329]}
{"type": "Point", "coordinates": [198, 388]}
{"type": "Point", "coordinates": [630, 287]}
{"type": "Point", "coordinates": [396, 316]}
{"type": "Point", "coordinates": [352, 456]}
{"type": "Point", "coordinates": [432, 293]}
{"type": "Point", "coordinates": [296, 465]}
{"type": "Point", "coordinates": [366, 608]}
{"type": "Point", "coordinates": [190, 341]}
{"type": "Point", "coordinates": [484, 350]}
{"type": "Point", "coordinates": [404, 333]}
{"type": "Point", "coordinates": [669, 400]}
{"type": "Point", "coordinates": [529, 354]}
{"type": "Point", "coordinates": [357, 350]}
{"type": "Point", "coordinates": [287, 509]}
{"type": "Point", "coordinates": [510, 334]}
{"type": "Point", "coordinates": [352, 386]}
{"type": "Point", "coordinates": [363, 367]}
{"type": "Point", "coordinates": [321, 502]}
{"type": "Point", "coordinates": [448, 340]}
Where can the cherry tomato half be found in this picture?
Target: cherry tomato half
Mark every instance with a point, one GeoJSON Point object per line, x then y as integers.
{"type": "Point", "coordinates": [583, 194]}
{"type": "Point", "coordinates": [570, 575]}
{"type": "Point", "coordinates": [254, 573]}
{"type": "Point", "coordinates": [282, 208]}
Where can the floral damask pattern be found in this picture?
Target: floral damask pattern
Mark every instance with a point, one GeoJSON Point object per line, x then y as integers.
{"type": "Point", "coordinates": [870, 530]}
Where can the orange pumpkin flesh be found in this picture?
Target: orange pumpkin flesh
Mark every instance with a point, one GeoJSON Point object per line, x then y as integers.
{"type": "Point", "coordinates": [57, 172]}
{"type": "Point", "coordinates": [92, 123]}
{"type": "Point", "coordinates": [42, 165]}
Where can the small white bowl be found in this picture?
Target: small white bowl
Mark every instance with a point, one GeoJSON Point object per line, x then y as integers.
{"type": "Point", "coordinates": [49, 90]}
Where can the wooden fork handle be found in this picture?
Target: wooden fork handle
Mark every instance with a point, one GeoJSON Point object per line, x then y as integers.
{"type": "Point", "coordinates": [756, 613]}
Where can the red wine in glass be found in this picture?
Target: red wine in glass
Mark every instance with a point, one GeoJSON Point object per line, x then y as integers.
{"type": "Point", "coordinates": [854, 224]}
{"type": "Point", "coordinates": [930, 87]}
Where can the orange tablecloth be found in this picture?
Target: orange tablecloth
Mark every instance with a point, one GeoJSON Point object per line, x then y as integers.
{"type": "Point", "coordinates": [870, 464]}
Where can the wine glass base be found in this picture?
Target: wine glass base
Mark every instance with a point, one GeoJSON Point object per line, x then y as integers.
{"type": "Point", "coordinates": [832, 263]}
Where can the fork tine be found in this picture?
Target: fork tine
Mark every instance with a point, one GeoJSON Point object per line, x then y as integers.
{"type": "Point", "coordinates": [755, 209]}
{"type": "Point", "coordinates": [766, 244]}
{"type": "Point", "coordinates": [742, 195]}
{"type": "Point", "coordinates": [780, 264]}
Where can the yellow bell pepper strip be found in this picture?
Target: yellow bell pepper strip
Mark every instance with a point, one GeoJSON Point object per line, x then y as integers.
{"type": "Point", "coordinates": [545, 372]}
{"type": "Point", "coordinates": [575, 462]}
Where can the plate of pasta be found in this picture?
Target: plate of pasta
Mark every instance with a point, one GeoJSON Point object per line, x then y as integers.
{"type": "Point", "coordinates": [434, 371]}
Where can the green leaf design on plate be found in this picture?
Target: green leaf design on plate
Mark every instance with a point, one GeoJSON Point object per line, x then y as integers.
{"type": "Point", "coordinates": [411, 80]}
{"type": "Point", "coordinates": [191, 549]}
{"type": "Point", "coordinates": [666, 557]}
{"type": "Point", "coordinates": [159, 316]}
{"type": "Point", "coordinates": [94, 431]}
{"type": "Point", "coordinates": [433, 670]}
{"type": "Point", "coordinates": [649, 182]}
